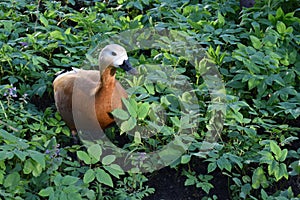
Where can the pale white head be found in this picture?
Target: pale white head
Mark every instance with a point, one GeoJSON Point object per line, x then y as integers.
{"type": "Point", "coordinates": [114, 55]}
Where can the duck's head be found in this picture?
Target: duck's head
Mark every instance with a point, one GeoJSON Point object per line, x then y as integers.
{"type": "Point", "coordinates": [114, 55]}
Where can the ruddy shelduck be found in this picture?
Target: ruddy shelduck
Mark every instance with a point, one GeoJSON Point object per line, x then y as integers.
{"type": "Point", "coordinates": [75, 87]}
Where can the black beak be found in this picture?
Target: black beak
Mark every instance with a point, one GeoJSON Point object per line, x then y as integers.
{"type": "Point", "coordinates": [128, 67]}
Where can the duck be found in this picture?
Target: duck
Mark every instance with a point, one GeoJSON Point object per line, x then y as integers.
{"type": "Point", "coordinates": [93, 94]}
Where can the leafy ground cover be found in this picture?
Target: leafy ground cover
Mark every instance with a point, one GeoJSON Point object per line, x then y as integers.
{"type": "Point", "coordinates": [256, 52]}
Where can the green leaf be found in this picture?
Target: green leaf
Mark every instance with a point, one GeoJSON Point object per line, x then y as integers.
{"type": "Point", "coordinates": [114, 170]}
{"type": "Point", "coordinates": [108, 159]}
{"type": "Point", "coordinates": [120, 114]}
{"type": "Point", "coordinates": [211, 167]}
{"type": "Point", "coordinates": [150, 88]}
{"type": "Point", "coordinates": [128, 125]}
{"type": "Point", "coordinates": [131, 107]}
{"type": "Point", "coordinates": [275, 149]}
{"type": "Point", "coordinates": [69, 180]}
{"type": "Point", "coordinates": [20, 154]}
{"type": "Point", "coordinates": [10, 138]}
{"type": "Point", "coordinates": [185, 159]}
{"type": "Point", "coordinates": [143, 110]}
{"type": "Point", "coordinates": [137, 138]}
{"type": "Point", "coordinates": [12, 180]}
{"type": "Point", "coordinates": [205, 186]}
{"type": "Point", "coordinates": [279, 13]}
{"type": "Point", "coordinates": [224, 163]}
{"type": "Point", "coordinates": [296, 167]}
{"type": "Point", "coordinates": [94, 152]}
{"type": "Point", "coordinates": [104, 177]}
{"type": "Point", "coordinates": [44, 20]}
{"type": "Point", "coordinates": [89, 176]}
{"type": "Point", "coordinates": [273, 167]}
{"type": "Point", "coordinates": [259, 178]}
{"type": "Point", "coordinates": [38, 157]}
{"type": "Point", "coordinates": [28, 166]}
{"type": "Point", "coordinates": [57, 35]}
{"type": "Point", "coordinates": [253, 82]}
{"type": "Point", "coordinates": [221, 19]}
{"type": "Point", "coordinates": [37, 170]}
{"type": "Point", "coordinates": [281, 172]}
{"type": "Point", "coordinates": [138, 5]}
{"type": "Point", "coordinates": [176, 121]}
{"type": "Point", "coordinates": [245, 190]}
{"type": "Point", "coordinates": [189, 181]}
{"type": "Point", "coordinates": [283, 155]}
{"type": "Point", "coordinates": [281, 28]}
{"type": "Point", "coordinates": [84, 157]}
{"type": "Point", "coordinates": [256, 43]}
{"type": "Point", "coordinates": [46, 192]}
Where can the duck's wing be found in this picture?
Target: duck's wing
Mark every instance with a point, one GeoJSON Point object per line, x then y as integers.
{"type": "Point", "coordinates": [72, 89]}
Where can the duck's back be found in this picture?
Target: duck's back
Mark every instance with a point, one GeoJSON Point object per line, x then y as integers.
{"type": "Point", "coordinates": [72, 89]}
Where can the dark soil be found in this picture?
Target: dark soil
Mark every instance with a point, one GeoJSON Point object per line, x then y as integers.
{"type": "Point", "coordinates": [169, 185]}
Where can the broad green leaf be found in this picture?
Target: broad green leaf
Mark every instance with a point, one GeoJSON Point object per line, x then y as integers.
{"type": "Point", "coordinates": [120, 114]}
{"type": "Point", "coordinates": [20, 154]}
{"type": "Point", "coordinates": [224, 163]}
{"type": "Point", "coordinates": [46, 192]}
{"type": "Point", "coordinates": [37, 170]}
{"type": "Point", "coordinates": [279, 13]}
{"type": "Point", "coordinates": [89, 176]}
{"type": "Point", "coordinates": [69, 180]}
{"type": "Point", "coordinates": [190, 181]}
{"type": "Point", "coordinates": [38, 157]}
{"type": "Point", "coordinates": [281, 172]}
{"type": "Point", "coordinates": [143, 110]}
{"type": "Point", "coordinates": [28, 166]}
{"type": "Point", "coordinates": [84, 157]}
{"type": "Point", "coordinates": [58, 179]}
{"type": "Point", "coordinates": [281, 28]}
{"type": "Point", "coordinates": [114, 170]}
{"type": "Point", "coordinates": [137, 138]}
{"type": "Point", "coordinates": [128, 125]}
{"type": "Point", "coordinates": [296, 167]}
{"type": "Point", "coordinates": [211, 167]}
{"type": "Point", "coordinates": [138, 5]}
{"type": "Point", "coordinates": [176, 121]}
{"type": "Point", "coordinates": [150, 88]}
{"type": "Point", "coordinates": [259, 178]}
{"type": "Point", "coordinates": [237, 160]}
{"type": "Point", "coordinates": [10, 138]}
{"type": "Point", "coordinates": [57, 35]}
{"type": "Point", "coordinates": [12, 180]}
{"type": "Point", "coordinates": [205, 186]}
{"type": "Point", "coordinates": [108, 159]}
{"type": "Point", "coordinates": [94, 152]}
{"type": "Point", "coordinates": [44, 20]}
{"type": "Point", "coordinates": [253, 82]}
{"type": "Point", "coordinates": [283, 155]}
{"type": "Point", "coordinates": [221, 19]}
{"type": "Point", "coordinates": [275, 149]}
{"type": "Point", "coordinates": [132, 109]}
{"type": "Point", "coordinates": [255, 42]}
{"type": "Point", "coordinates": [103, 177]}
{"type": "Point", "coordinates": [273, 167]}
{"type": "Point", "coordinates": [185, 159]}
{"type": "Point", "coordinates": [245, 190]}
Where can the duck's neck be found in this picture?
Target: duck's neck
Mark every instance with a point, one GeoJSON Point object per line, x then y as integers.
{"type": "Point", "coordinates": [108, 78]}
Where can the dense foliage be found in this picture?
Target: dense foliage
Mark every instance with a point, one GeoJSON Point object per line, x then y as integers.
{"type": "Point", "coordinates": [256, 51]}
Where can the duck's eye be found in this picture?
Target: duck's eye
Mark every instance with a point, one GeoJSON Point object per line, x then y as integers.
{"type": "Point", "coordinates": [113, 53]}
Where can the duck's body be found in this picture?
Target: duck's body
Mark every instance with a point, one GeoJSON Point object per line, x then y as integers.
{"type": "Point", "coordinates": [91, 91]}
